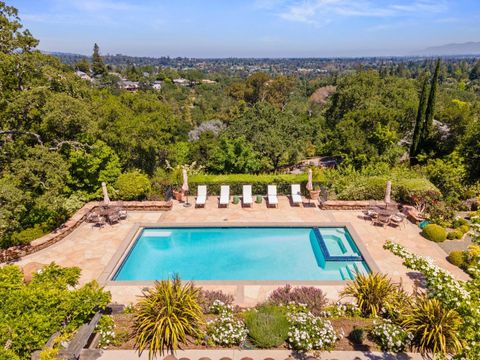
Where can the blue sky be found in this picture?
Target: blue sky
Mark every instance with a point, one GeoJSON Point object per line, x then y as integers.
{"type": "Point", "coordinates": [249, 28]}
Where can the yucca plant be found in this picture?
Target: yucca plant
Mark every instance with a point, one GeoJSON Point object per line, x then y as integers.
{"type": "Point", "coordinates": [434, 327]}
{"type": "Point", "coordinates": [372, 292]}
{"type": "Point", "coordinates": [166, 315]}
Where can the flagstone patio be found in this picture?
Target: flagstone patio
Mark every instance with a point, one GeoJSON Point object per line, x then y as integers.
{"type": "Point", "coordinates": [92, 248]}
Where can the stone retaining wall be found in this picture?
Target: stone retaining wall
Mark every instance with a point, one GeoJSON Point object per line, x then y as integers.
{"type": "Point", "coordinates": [58, 234]}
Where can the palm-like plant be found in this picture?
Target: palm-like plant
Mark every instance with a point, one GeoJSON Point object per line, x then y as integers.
{"type": "Point", "coordinates": [372, 292]}
{"type": "Point", "coordinates": [434, 327]}
{"type": "Point", "coordinates": [166, 315]}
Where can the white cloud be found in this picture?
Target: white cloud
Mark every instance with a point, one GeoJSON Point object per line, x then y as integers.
{"type": "Point", "coordinates": [314, 11]}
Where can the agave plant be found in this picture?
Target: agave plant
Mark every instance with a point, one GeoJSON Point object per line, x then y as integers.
{"type": "Point", "coordinates": [373, 293]}
{"type": "Point", "coordinates": [166, 315]}
{"type": "Point", "coordinates": [435, 328]}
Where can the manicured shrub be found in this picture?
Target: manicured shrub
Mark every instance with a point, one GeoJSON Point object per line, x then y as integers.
{"type": "Point", "coordinates": [374, 293]}
{"type": "Point", "coordinates": [166, 315]}
{"type": "Point", "coordinates": [357, 335]}
{"type": "Point", "coordinates": [312, 297]}
{"type": "Point", "coordinates": [133, 186]}
{"type": "Point", "coordinates": [208, 297]}
{"type": "Point", "coordinates": [459, 222]}
{"type": "Point", "coordinates": [267, 326]}
{"type": "Point", "coordinates": [456, 257]}
{"type": "Point", "coordinates": [435, 328]}
{"type": "Point", "coordinates": [26, 236]}
{"type": "Point", "coordinates": [454, 234]}
{"type": "Point", "coordinates": [464, 228]}
{"type": "Point", "coordinates": [434, 233]}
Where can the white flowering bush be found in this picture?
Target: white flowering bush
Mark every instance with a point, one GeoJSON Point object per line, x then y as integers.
{"type": "Point", "coordinates": [225, 330]}
{"type": "Point", "coordinates": [464, 297]}
{"type": "Point", "coordinates": [106, 329]}
{"type": "Point", "coordinates": [309, 332]}
{"type": "Point", "coordinates": [342, 309]}
{"type": "Point", "coordinates": [219, 307]}
{"type": "Point", "coordinates": [390, 336]}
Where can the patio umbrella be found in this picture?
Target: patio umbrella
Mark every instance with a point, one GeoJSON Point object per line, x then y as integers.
{"type": "Point", "coordinates": [388, 192]}
{"type": "Point", "coordinates": [185, 185]}
{"type": "Point", "coordinates": [310, 180]}
{"type": "Point", "coordinates": [106, 199]}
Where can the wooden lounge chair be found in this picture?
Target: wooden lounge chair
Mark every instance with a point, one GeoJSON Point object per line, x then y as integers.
{"type": "Point", "coordinates": [224, 195]}
{"type": "Point", "coordinates": [296, 194]}
{"type": "Point", "coordinates": [201, 195]}
{"type": "Point", "coordinates": [272, 195]}
{"type": "Point", "coordinates": [247, 195]}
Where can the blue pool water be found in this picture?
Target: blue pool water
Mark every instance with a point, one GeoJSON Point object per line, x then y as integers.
{"type": "Point", "coordinates": [257, 253]}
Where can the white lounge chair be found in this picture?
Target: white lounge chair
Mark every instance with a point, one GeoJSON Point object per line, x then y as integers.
{"type": "Point", "coordinates": [247, 195]}
{"type": "Point", "coordinates": [201, 195]}
{"type": "Point", "coordinates": [272, 195]}
{"type": "Point", "coordinates": [296, 194]}
{"type": "Point", "coordinates": [224, 195]}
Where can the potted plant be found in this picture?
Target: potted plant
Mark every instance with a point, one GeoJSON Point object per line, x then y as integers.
{"type": "Point", "coordinates": [258, 199]}
{"type": "Point", "coordinates": [178, 195]}
{"type": "Point", "coordinates": [236, 199]}
{"type": "Point", "coordinates": [315, 193]}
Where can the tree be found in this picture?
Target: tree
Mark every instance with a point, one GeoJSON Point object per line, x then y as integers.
{"type": "Point", "coordinates": [279, 137]}
{"type": "Point", "coordinates": [83, 65]}
{"type": "Point", "coordinates": [475, 72]}
{"type": "Point", "coordinates": [419, 122]}
{"type": "Point", "coordinates": [89, 167]}
{"type": "Point", "coordinates": [235, 156]}
{"type": "Point", "coordinates": [469, 149]}
{"type": "Point", "coordinates": [98, 66]}
{"type": "Point", "coordinates": [430, 110]}
{"type": "Point", "coordinates": [254, 87]}
{"type": "Point", "coordinates": [12, 38]}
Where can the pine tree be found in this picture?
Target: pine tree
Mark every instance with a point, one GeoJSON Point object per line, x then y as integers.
{"type": "Point", "coordinates": [98, 67]}
{"type": "Point", "coordinates": [429, 112]}
{"type": "Point", "coordinates": [419, 122]}
{"type": "Point", "coordinates": [475, 73]}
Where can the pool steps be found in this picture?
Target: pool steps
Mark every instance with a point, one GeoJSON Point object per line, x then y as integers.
{"type": "Point", "coordinates": [348, 255]}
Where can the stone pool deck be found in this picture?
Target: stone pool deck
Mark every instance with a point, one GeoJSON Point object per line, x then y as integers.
{"type": "Point", "coordinates": [92, 248]}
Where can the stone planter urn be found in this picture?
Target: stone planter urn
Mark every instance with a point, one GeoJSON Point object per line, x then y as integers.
{"type": "Point", "coordinates": [314, 194]}
{"type": "Point", "coordinates": [178, 195]}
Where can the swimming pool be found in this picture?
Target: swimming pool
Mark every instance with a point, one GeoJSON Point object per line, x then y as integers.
{"type": "Point", "coordinates": [243, 253]}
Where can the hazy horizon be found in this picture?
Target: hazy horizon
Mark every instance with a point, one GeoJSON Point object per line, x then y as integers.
{"type": "Point", "coordinates": [251, 28]}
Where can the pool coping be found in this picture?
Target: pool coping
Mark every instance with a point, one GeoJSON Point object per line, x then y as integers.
{"type": "Point", "coordinates": [105, 278]}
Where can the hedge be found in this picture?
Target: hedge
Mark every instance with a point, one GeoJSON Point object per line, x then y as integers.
{"type": "Point", "coordinates": [259, 182]}
{"type": "Point", "coordinates": [373, 187]}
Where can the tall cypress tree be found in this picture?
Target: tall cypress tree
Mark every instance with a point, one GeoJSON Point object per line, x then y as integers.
{"type": "Point", "coordinates": [429, 112]}
{"type": "Point", "coordinates": [419, 122]}
{"type": "Point", "coordinates": [98, 67]}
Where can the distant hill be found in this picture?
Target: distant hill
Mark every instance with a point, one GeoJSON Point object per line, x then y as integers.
{"type": "Point", "coordinates": [468, 48]}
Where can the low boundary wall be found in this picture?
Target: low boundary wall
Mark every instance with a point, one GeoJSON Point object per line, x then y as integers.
{"type": "Point", "coordinates": [15, 252]}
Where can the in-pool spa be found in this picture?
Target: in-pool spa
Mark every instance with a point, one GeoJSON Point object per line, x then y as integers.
{"type": "Point", "coordinates": [243, 253]}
